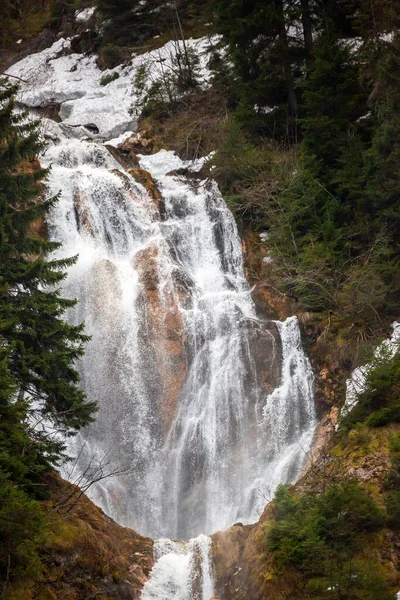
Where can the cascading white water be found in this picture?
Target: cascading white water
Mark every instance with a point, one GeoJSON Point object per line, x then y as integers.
{"type": "Point", "coordinates": [182, 571]}
{"type": "Point", "coordinates": [163, 294]}
{"type": "Point", "coordinates": [208, 405]}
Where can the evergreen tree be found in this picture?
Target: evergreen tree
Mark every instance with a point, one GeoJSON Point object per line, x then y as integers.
{"type": "Point", "coordinates": [21, 519]}
{"type": "Point", "coordinates": [263, 55]}
{"type": "Point", "coordinates": [41, 346]}
{"type": "Point", "coordinates": [332, 101]}
{"type": "Point", "coordinates": [382, 170]}
{"type": "Point", "coordinates": [269, 44]}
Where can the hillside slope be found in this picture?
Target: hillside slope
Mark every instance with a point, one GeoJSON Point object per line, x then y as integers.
{"type": "Point", "coordinates": [85, 554]}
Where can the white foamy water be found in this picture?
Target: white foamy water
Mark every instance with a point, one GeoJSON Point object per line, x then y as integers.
{"type": "Point", "coordinates": [204, 406]}
{"type": "Point", "coordinates": [182, 571]}
{"type": "Point", "coordinates": [178, 359]}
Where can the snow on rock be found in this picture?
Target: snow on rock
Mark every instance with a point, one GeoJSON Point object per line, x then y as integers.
{"type": "Point", "coordinates": [56, 132]}
{"type": "Point", "coordinates": [83, 16]}
{"type": "Point", "coordinates": [165, 161]}
{"type": "Point", "coordinates": [115, 142]}
{"type": "Point", "coordinates": [160, 163]}
{"type": "Point", "coordinates": [53, 76]}
{"type": "Point", "coordinates": [355, 385]}
{"type": "Point", "coordinates": [56, 76]}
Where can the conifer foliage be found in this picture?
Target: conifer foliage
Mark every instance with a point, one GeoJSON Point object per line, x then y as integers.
{"type": "Point", "coordinates": [42, 346]}
{"type": "Point", "coordinates": [38, 381]}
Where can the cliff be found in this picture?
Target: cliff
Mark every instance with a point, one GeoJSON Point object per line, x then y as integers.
{"type": "Point", "coordinates": [85, 554]}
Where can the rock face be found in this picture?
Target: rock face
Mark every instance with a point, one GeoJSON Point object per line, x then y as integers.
{"type": "Point", "coordinates": [144, 177]}
{"type": "Point", "coordinates": [240, 560]}
{"type": "Point", "coordinates": [164, 330]}
{"type": "Point", "coordinates": [228, 558]}
{"type": "Point", "coordinates": [86, 554]}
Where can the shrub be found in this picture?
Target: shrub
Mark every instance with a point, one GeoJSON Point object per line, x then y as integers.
{"type": "Point", "coordinates": [110, 56]}
{"type": "Point", "coordinates": [21, 532]}
{"type": "Point", "coordinates": [392, 484]}
{"type": "Point", "coordinates": [106, 79]}
{"type": "Point", "coordinates": [320, 536]}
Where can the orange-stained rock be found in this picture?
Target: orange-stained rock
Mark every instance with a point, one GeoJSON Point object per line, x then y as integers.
{"type": "Point", "coordinates": [123, 177]}
{"type": "Point", "coordinates": [325, 429]}
{"type": "Point", "coordinates": [143, 177]}
{"type": "Point", "coordinates": [126, 158]}
{"type": "Point", "coordinates": [165, 331]}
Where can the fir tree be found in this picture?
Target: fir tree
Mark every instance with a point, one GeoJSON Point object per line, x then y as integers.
{"type": "Point", "coordinates": [41, 346]}
{"type": "Point", "coordinates": [382, 171]}
{"type": "Point", "coordinates": [332, 101]}
{"type": "Point", "coordinates": [21, 519]}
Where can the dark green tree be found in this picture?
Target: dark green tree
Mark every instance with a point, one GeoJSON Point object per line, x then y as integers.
{"type": "Point", "coordinates": [21, 518]}
{"type": "Point", "coordinates": [332, 100]}
{"type": "Point", "coordinates": [321, 536]}
{"type": "Point", "coordinates": [41, 345]}
{"type": "Point", "coordinates": [261, 52]}
{"type": "Point", "coordinates": [382, 160]}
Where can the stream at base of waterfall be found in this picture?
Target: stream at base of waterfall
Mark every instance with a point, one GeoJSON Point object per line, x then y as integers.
{"type": "Point", "coordinates": [182, 571]}
{"type": "Point", "coordinates": [205, 407]}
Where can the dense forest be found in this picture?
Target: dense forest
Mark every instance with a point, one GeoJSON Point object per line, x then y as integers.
{"type": "Point", "coordinates": [303, 114]}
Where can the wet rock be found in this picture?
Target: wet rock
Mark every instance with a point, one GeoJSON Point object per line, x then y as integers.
{"type": "Point", "coordinates": [139, 143]}
{"type": "Point", "coordinates": [82, 212]}
{"type": "Point", "coordinates": [127, 159]}
{"type": "Point", "coordinates": [123, 177]}
{"type": "Point", "coordinates": [92, 127]}
{"type": "Point", "coordinates": [144, 178]}
{"type": "Point", "coordinates": [165, 331]}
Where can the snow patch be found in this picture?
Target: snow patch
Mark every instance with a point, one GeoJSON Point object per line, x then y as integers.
{"type": "Point", "coordinates": [115, 142]}
{"type": "Point", "coordinates": [83, 16]}
{"type": "Point", "coordinates": [55, 76]}
{"type": "Point", "coordinates": [165, 161]}
{"type": "Point", "coordinates": [355, 385]}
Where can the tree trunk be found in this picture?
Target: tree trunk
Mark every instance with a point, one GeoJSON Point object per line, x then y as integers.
{"type": "Point", "coordinates": [307, 27]}
{"type": "Point", "coordinates": [284, 44]}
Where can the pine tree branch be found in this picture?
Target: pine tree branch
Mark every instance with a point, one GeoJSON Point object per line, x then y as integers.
{"type": "Point", "coordinates": [14, 77]}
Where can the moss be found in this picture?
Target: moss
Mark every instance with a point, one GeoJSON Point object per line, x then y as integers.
{"type": "Point", "coordinates": [116, 576]}
{"type": "Point", "coordinates": [106, 79]}
{"type": "Point", "coordinates": [110, 56]}
{"type": "Point", "coordinates": [84, 551]}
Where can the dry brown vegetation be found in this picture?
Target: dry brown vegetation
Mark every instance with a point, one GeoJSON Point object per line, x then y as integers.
{"type": "Point", "coordinates": [192, 127]}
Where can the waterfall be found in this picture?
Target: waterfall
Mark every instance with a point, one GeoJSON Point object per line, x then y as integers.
{"type": "Point", "coordinates": [182, 571]}
{"type": "Point", "coordinates": [205, 406]}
